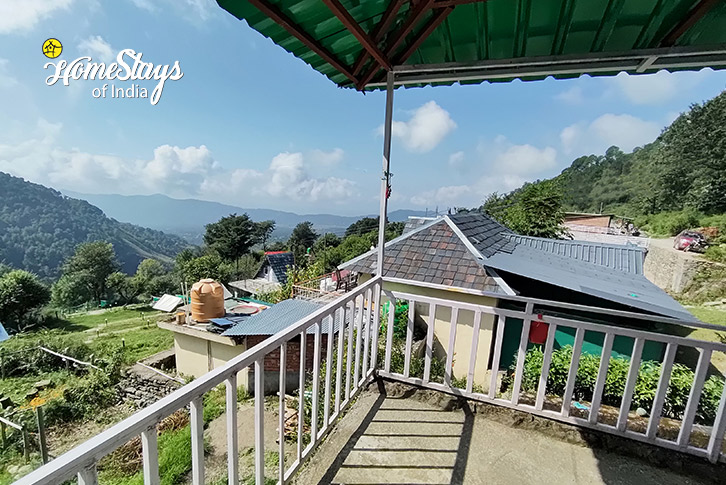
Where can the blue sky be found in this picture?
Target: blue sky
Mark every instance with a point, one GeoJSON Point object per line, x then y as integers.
{"type": "Point", "coordinates": [250, 125]}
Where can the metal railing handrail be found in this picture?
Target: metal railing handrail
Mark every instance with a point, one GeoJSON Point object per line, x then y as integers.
{"type": "Point", "coordinates": [87, 454]}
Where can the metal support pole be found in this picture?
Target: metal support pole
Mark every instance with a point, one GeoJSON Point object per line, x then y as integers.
{"type": "Point", "coordinates": [386, 178]}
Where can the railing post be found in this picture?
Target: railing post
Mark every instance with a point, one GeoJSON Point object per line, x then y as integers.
{"type": "Point", "coordinates": [281, 412]}
{"type": "Point", "coordinates": [572, 373]}
{"type": "Point", "coordinates": [522, 353]}
{"type": "Point", "coordinates": [704, 360]}
{"type": "Point", "coordinates": [718, 430]}
{"type": "Point", "coordinates": [88, 476]}
{"type": "Point", "coordinates": [358, 338]}
{"type": "Point", "coordinates": [316, 385]}
{"type": "Point", "coordinates": [630, 384]}
{"type": "Point", "coordinates": [497, 356]}
{"type": "Point", "coordinates": [473, 352]}
{"type": "Point", "coordinates": [409, 338]}
{"type": "Point", "coordinates": [328, 369]}
{"type": "Point", "coordinates": [196, 408]}
{"type": "Point", "coordinates": [260, 421]}
{"type": "Point", "coordinates": [301, 395]}
{"type": "Point", "coordinates": [349, 356]}
{"type": "Point", "coordinates": [546, 361]}
{"type": "Point", "coordinates": [376, 322]}
{"type": "Point", "coordinates": [232, 444]}
{"type": "Point", "coordinates": [339, 360]}
{"type": "Point", "coordinates": [389, 330]}
{"type": "Point", "coordinates": [429, 342]}
{"type": "Point", "coordinates": [448, 370]}
{"type": "Point", "coordinates": [150, 456]}
{"type": "Point", "coordinates": [366, 328]}
{"type": "Point", "coordinates": [602, 373]}
{"type": "Point", "coordinates": [660, 393]}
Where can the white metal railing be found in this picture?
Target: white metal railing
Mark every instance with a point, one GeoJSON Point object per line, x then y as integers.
{"type": "Point", "coordinates": [532, 311]}
{"type": "Point", "coordinates": [351, 358]}
{"type": "Point", "coordinates": [350, 340]}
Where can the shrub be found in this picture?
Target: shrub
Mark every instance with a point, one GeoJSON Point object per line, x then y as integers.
{"type": "Point", "coordinates": [400, 319]}
{"type": "Point", "coordinates": [83, 399]}
{"type": "Point", "coordinates": [646, 385]}
{"type": "Point", "coordinates": [669, 223]}
{"type": "Point", "coordinates": [716, 253]}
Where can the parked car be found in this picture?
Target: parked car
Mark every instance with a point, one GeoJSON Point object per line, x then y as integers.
{"type": "Point", "coordinates": [690, 241]}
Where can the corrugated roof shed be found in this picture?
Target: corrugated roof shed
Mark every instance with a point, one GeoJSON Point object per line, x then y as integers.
{"type": "Point", "coordinates": [276, 318]}
{"type": "Point", "coordinates": [628, 258]}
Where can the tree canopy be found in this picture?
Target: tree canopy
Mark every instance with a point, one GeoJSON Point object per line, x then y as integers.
{"type": "Point", "coordinates": [20, 293]}
{"type": "Point", "coordinates": [40, 228]}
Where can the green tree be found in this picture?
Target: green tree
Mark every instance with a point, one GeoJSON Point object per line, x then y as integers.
{"type": "Point", "coordinates": [154, 279]}
{"type": "Point", "coordinates": [362, 226]}
{"type": "Point", "coordinates": [20, 293]}
{"type": "Point", "coordinates": [207, 266]}
{"type": "Point", "coordinates": [70, 291]}
{"type": "Point", "coordinates": [264, 231]}
{"type": "Point", "coordinates": [302, 238]}
{"type": "Point", "coordinates": [533, 210]}
{"type": "Point", "coordinates": [92, 264]}
{"type": "Point", "coordinates": [126, 287]}
{"type": "Point", "coordinates": [232, 236]}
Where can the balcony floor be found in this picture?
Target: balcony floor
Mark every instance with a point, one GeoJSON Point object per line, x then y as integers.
{"type": "Point", "coordinates": [402, 440]}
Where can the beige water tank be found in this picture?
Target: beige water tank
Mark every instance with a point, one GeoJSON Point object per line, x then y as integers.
{"type": "Point", "coordinates": [207, 300]}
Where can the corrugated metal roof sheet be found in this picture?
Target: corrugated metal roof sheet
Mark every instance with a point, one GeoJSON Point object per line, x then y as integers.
{"type": "Point", "coordinates": [276, 318]}
{"type": "Point", "coordinates": [627, 258]}
{"type": "Point", "coordinates": [487, 31]}
{"type": "Point", "coordinates": [610, 284]}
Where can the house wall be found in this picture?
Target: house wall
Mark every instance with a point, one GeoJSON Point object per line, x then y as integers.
{"type": "Point", "coordinates": [464, 330]}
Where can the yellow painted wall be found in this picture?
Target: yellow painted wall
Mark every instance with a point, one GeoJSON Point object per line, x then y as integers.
{"type": "Point", "coordinates": [196, 356]}
{"type": "Point", "coordinates": [464, 330]}
{"type": "Point", "coordinates": [191, 355]}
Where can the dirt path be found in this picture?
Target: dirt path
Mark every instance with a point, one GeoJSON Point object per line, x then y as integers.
{"type": "Point", "coordinates": [667, 243]}
{"type": "Point", "coordinates": [216, 436]}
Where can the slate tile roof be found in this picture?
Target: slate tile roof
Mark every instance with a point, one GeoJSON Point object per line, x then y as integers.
{"type": "Point", "coordinates": [280, 262]}
{"type": "Point", "coordinates": [433, 253]}
{"type": "Point", "coordinates": [485, 234]}
{"type": "Point", "coordinates": [463, 250]}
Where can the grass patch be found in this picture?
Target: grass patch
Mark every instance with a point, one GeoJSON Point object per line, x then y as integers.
{"type": "Point", "coordinates": [138, 344]}
{"type": "Point", "coordinates": [175, 461]}
{"type": "Point", "coordinates": [712, 315]}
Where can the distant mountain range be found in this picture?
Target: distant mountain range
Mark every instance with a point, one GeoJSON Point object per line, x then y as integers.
{"type": "Point", "coordinates": [187, 217]}
{"type": "Point", "coordinates": [40, 228]}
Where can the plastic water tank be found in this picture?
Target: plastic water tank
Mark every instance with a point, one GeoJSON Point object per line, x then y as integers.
{"type": "Point", "coordinates": [207, 300]}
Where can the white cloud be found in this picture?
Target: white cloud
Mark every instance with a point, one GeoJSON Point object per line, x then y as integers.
{"type": "Point", "coordinates": [625, 131]}
{"type": "Point", "coordinates": [97, 48]}
{"type": "Point", "coordinates": [648, 88]}
{"type": "Point", "coordinates": [428, 126]}
{"type": "Point", "coordinates": [456, 159]}
{"type": "Point", "coordinates": [525, 160]}
{"type": "Point", "coordinates": [333, 157]}
{"type": "Point", "coordinates": [23, 15]}
{"type": "Point", "coordinates": [175, 171]}
{"type": "Point", "coordinates": [7, 80]}
{"type": "Point", "coordinates": [447, 196]}
{"type": "Point", "coordinates": [658, 88]}
{"type": "Point", "coordinates": [574, 95]}
{"type": "Point", "coordinates": [503, 167]}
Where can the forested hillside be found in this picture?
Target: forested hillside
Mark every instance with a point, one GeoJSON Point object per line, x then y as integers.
{"type": "Point", "coordinates": [40, 228]}
{"type": "Point", "coordinates": [684, 168]}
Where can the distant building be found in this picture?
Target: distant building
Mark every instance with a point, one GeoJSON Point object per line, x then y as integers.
{"type": "Point", "coordinates": [270, 277]}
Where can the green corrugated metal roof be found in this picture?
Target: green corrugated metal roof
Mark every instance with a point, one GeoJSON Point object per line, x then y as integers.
{"type": "Point", "coordinates": [496, 30]}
